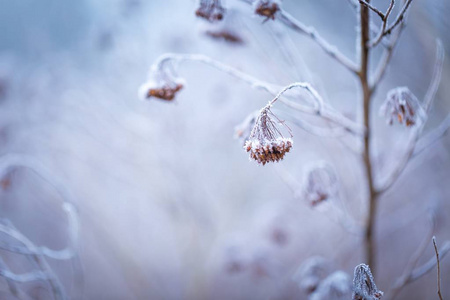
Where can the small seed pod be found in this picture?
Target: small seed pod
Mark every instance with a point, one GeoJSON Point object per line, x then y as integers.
{"type": "Point", "coordinates": [210, 10]}
{"type": "Point", "coordinates": [364, 287]}
{"type": "Point", "coordinates": [162, 83]}
{"type": "Point", "coordinates": [320, 183]}
{"type": "Point", "coordinates": [403, 106]}
{"type": "Point", "coordinates": [266, 142]}
{"type": "Point", "coordinates": [266, 8]}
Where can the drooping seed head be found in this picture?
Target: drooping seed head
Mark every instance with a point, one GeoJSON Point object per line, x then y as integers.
{"type": "Point", "coordinates": [162, 83]}
{"type": "Point", "coordinates": [266, 142]}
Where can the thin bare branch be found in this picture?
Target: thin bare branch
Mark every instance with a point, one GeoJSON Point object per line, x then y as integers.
{"type": "Point", "coordinates": [422, 270]}
{"type": "Point", "coordinates": [400, 17]}
{"type": "Point", "coordinates": [416, 131]}
{"type": "Point", "coordinates": [320, 109]}
{"type": "Point", "coordinates": [402, 281]}
{"type": "Point", "coordinates": [373, 8]}
{"type": "Point", "coordinates": [438, 268]}
{"type": "Point", "coordinates": [299, 27]}
{"type": "Point", "coordinates": [436, 77]}
{"type": "Point", "coordinates": [386, 58]}
{"type": "Point", "coordinates": [384, 21]}
{"type": "Point", "coordinates": [429, 139]}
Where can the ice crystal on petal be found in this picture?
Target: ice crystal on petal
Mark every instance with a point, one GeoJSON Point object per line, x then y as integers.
{"type": "Point", "coordinates": [364, 287]}
{"type": "Point", "coordinates": [403, 106]}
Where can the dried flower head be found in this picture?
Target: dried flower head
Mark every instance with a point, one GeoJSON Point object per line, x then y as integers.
{"type": "Point", "coordinates": [266, 8]}
{"type": "Point", "coordinates": [162, 83]}
{"type": "Point", "coordinates": [320, 183]}
{"type": "Point", "coordinates": [266, 142]}
{"type": "Point", "coordinates": [210, 10]}
{"type": "Point", "coordinates": [336, 286]}
{"type": "Point", "coordinates": [364, 287]}
{"type": "Point", "coordinates": [311, 272]}
{"type": "Point", "coordinates": [401, 104]}
{"type": "Point", "coordinates": [225, 35]}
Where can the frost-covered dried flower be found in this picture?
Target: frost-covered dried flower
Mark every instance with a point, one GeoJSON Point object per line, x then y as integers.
{"type": "Point", "coordinates": [402, 105]}
{"type": "Point", "coordinates": [364, 287]}
{"type": "Point", "coordinates": [311, 273]}
{"type": "Point", "coordinates": [211, 10]}
{"type": "Point", "coordinates": [336, 286]}
{"type": "Point", "coordinates": [266, 8]}
{"type": "Point", "coordinates": [320, 183]}
{"type": "Point", "coordinates": [266, 142]}
{"type": "Point", "coordinates": [162, 83]}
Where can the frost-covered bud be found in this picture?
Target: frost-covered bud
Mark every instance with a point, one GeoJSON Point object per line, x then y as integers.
{"type": "Point", "coordinates": [162, 83]}
{"type": "Point", "coordinates": [266, 143]}
{"type": "Point", "coordinates": [311, 273]}
{"type": "Point", "coordinates": [210, 10]}
{"type": "Point", "coordinates": [402, 105]}
{"type": "Point", "coordinates": [364, 287]}
{"type": "Point", "coordinates": [266, 8]}
{"type": "Point", "coordinates": [320, 183]}
{"type": "Point", "coordinates": [337, 286]}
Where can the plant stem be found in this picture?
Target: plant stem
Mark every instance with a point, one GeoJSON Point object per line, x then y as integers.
{"type": "Point", "coordinates": [369, 244]}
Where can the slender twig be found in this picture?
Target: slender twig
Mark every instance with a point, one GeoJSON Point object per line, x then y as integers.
{"type": "Point", "coordinates": [325, 112]}
{"type": "Point", "coordinates": [422, 270]}
{"type": "Point", "coordinates": [402, 281]}
{"type": "Point", "coordinates": [392, 177]}
{"type": "Point", "coordinates": [374, 9]}
{"type": "Point", "coordinates": [438, 268]}
{"type": "Point", "coordinates": [400, 17]}
{"type": "Point", "coordinates": [384, 21]}
{"type": "Point", "coordinates": [433, 136]}
{"type": "Point", "coordinates": [299, 27]}
{"type": "Point", "coordinates": [369, 242]}
{"type": "Point", "coordinates": [38, 254]}
{"type": "Point", "coordinates": [386, 58]}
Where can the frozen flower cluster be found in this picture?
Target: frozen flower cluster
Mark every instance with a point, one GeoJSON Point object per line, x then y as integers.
{"type": "Point", "coordinates": [403, 106]}
{"type": "Point", "coordinates": [210, 10]}
{"type": "Point", "coordinates": [162, 83]}
{"type": "Point", "coordinates": [364, 287]}
{"type": "Point", "coordinates": [266, 143]}
{"type": "Point", "coordinates": [266, 8]}
{"type": "Point", "coordinates": [268, 150]}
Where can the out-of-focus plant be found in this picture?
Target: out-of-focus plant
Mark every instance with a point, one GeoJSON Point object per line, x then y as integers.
{"type": "Point", "coordinates": [265, 140]}
{"type": "Point", "coordinates": [15, 242]}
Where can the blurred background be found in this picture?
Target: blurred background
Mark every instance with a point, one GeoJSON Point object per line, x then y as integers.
{"type": "Point", "coordinates": [168, 204]}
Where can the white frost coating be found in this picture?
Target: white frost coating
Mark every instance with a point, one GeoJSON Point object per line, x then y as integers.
{"type": "Point", "coordinates": [364, 287]}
